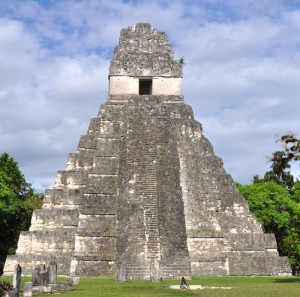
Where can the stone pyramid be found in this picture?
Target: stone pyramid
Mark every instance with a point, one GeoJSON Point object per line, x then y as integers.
{"type": "Point", "coordinates": [144, 195]}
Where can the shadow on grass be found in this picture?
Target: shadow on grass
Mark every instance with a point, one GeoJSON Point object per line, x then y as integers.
{"type": "Point", "coordinates": [295, 279]}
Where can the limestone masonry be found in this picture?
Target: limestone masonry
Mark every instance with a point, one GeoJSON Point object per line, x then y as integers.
{"type": "Point", "coordinates": [144, 195]}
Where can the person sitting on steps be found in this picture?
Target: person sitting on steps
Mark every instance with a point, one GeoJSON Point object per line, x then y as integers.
{"type": "Point", "coordinates": [184, 284]}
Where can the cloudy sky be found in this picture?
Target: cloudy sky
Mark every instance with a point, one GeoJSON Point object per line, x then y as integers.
{"type": "Point", "coordinates": [242, 74]}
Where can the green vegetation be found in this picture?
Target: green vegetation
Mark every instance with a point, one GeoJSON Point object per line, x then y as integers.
{"type": "Point", "coordinates": [241, 287]}
{"type": "Point", "coordinates": [5, 287]}
{"type": "Point", "coordinates": [181, 61]}
{"type": "Point", "coordinates": [274, 199]}
{"type": "Point", "coordinates": [17, 201]}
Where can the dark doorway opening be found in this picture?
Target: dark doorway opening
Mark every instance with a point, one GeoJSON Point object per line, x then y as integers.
{"type": "Point", "coordinates": [145, 86]}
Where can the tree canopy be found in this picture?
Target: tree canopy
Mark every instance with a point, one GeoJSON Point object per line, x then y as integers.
{"type": "Point", "coordinates": [274, 199]}
{"type": "Point", "coordinates": [17, 201]}
{"type": "Point", "coordinates": [275, 208]}
{"type": "Point", "coordinates": [281, 161]}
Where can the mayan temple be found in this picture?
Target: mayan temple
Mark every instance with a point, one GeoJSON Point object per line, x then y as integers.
{"type": "Point", "coordinates": [144, 195]}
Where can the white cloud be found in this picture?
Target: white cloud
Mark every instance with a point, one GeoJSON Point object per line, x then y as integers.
{"type": "Point", "coordinates": [241, 74]}
{"type": "Point", "coordinates": [18, 53]}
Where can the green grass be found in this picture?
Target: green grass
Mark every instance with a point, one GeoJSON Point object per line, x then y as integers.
{"type": "Point", "coordinates": [241, 287]}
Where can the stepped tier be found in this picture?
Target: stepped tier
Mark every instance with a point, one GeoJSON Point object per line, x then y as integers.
{"type": "Point", "coordinates": [144, 195]}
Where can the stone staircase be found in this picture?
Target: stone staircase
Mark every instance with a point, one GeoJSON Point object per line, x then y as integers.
{"type": "Point", "coordinates": [138, 272]}
{"type": "Point", "coordinates": [150, 198]}
{"type": "Point", "coordinates": [175, 270]}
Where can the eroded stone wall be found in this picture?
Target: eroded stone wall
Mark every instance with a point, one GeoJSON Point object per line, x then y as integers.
{"type": "Point", "coordinates": [144, 51]}
{"type": "Point", "coordinates": [144, 193]}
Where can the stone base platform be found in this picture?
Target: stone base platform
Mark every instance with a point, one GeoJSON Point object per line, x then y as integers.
{"type": "Point", "coordinates": [198, 287]}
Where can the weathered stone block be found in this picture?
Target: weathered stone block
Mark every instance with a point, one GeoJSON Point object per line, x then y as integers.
{"type": "Point", "coordinates": [102, 184]}
{"type": "Point", "coordinates": [95, 268]}
{"type": "Point", "coordinates": [64, 197]}
{"type": "Point", "coordinates": [284, 268]}
{"type": "Point", "coordinates": [99, 204]}
{"type": "Point", "coordinates": [121, 273]}
{"type": "Point", "coordinates": [102, 247]}
{"type": "Point", "coordinates": [101, 225]}
{"type": "Point", "coordinates": [42, 289]}
{"type": "Point", "coordinates": [75, 280]}
{"type": "Point", "coordinates": [55, 240]}
{"type": "Point", "coordinates": [108, 146]}
{"type": "Point", "coordinates": [87, 142]}
{"type": "Point", "coordinates": [62, 286]}
{"type": "Point", "coordinates": [206, 247]}
{"type": "Point", "coordinates": [40, 276]}
{"type": "Point", "coordinates": [106, 165]}
{"type": "Point", "coordinates": [71, 179]}
{"type": "Point", "coordinates": [17, 278]}
{"type": "Point", "coordinates": [27, 289]}
{"type": "Point", "coordinates": [94, 126]}
{"type": "Point", "coordinates": [247, 263]}
{"type": "Point", "coordinates": [252, 242]}
{"type": "Point", "coordinates": [82, 161]}
{"type": "Point", "coordinates": [25, 243]}
{"type": "Point", "coordinates": [29, 261]}
{"type": "Point", "coordinates": [210, 268]}
{"type": "Point", "coordinates": [53, 218]}
{"type": "Point", "coordinates": [52, 272]}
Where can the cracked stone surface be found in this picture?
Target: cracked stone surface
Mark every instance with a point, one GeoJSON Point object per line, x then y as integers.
{"type": "Point", "coordinates": [144, 195]}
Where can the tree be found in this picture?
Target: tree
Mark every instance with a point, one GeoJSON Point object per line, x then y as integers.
{"type": "Point", "coordinates": [13, 177]}
{"type": "Point", "coordinates": [280, 170]}
{"type": "Point", "coordinates": [281, 161]}
{"type": "Point", "coordinates": [291, 146]}
{"type": "Point", "coordinates": [11, 218]}
{"type": "Point", "coordinates": [276, 210]}
{"type": "Point", "coordinates": [295, 192]}
{"type": "Point", "coordinates": [17, 202]}
{"type": "Point", "coordinates": [274, 199]}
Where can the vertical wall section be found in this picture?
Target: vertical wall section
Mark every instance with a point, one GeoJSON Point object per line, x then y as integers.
{"type": "Point", "coordinates": [144, 190]}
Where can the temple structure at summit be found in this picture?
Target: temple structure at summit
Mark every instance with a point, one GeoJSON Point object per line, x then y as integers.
{"type": "Point", "coordinates": [144, 194]}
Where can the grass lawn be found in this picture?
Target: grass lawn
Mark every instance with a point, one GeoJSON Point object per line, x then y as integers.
{"type": "Point", "coordinates": [241, 287]}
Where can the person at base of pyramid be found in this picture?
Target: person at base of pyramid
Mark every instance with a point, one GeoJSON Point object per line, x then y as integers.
{"type": "Point", "coordinates": [184, 284]}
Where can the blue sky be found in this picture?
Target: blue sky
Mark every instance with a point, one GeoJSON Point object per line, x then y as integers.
{"type": "Point", "coordinates": [242, 74]}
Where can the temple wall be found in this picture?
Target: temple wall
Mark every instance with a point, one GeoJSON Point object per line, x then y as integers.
{"type": "Point", "coordinates": [101, 247]}
{"type": "Point", "coordinates": [53, 218]}
{"type": "Point", "coordinates": [167, 86]}
{"type": "Point", "coordinates": [24, 245]}
{"type": "Point", "coordinates": [210, 267]}
{"type": "Point", "coordinates": [128, 85]}
{"type": "Point", "coordinates": [125, 85]}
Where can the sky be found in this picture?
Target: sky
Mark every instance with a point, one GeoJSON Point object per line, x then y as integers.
{"type": "Point", "coordinates": [241, 74]}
